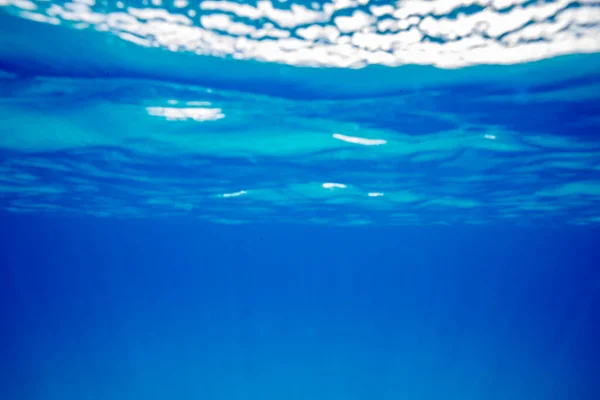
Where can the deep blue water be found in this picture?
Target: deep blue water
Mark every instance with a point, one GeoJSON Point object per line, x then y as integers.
{"type": "Point", "coordinates": [299, 200]}
{"type": "Point", "coordinates": [147, 309]}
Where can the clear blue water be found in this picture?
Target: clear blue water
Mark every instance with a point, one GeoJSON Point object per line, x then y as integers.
{"type": "Point", "coordinates": [294, 200]}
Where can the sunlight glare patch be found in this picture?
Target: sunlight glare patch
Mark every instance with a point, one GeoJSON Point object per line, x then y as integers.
{"type": "Point", "coordinates": [183, 114]}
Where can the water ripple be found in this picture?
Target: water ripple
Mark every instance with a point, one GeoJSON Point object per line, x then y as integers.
{"type": "Point", "coordinates": [148, 149]}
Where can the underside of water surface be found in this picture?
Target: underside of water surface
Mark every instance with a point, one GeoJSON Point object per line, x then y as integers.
{"type": "Point", "coordinates": [415, 113]}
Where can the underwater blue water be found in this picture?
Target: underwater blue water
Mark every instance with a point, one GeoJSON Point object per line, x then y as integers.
{"type": "Point", "coordinates": [299, 200]}
{"type": "Point", "coordinates": [173, 309]}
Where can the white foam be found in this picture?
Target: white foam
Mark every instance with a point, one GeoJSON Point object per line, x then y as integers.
{"type": "Point", "coordinates": [346, 33]}
{"type": "Point", "coordinates": [353, 23]}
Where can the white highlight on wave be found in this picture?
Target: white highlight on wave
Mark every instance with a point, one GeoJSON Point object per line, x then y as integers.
{"type": "Point", "coordinates": [331, 185]}
{"type": "Point", "coordinates": [346, 33]}
{"type": "Point", "coordinates": [358, 140]}
{"type": "Point", "coordinates": [235, 194]}
{"type": "Point", "coordinates": [183, 114]}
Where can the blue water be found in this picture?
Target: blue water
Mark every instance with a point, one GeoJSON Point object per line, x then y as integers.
{"type": "Point", "coordinates": [299, 200]}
